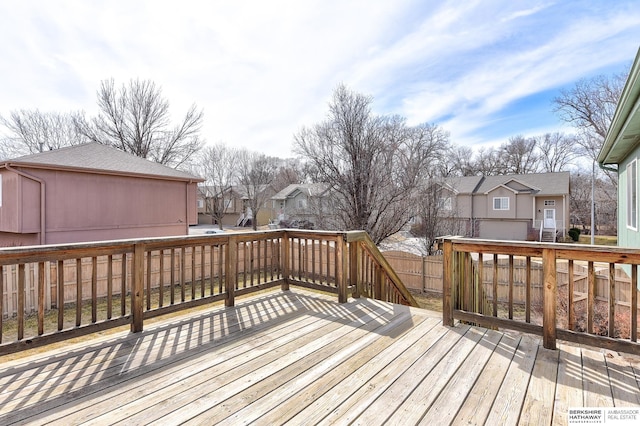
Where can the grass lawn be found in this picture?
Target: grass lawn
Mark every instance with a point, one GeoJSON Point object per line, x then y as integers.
{"type": "Point", "coordinates": [430, 301]}
{"type": "Point", "coordinates": [604, 240]}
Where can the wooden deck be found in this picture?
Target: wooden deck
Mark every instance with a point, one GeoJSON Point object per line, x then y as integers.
{"type": "Point", "coordinates": [302, 358]}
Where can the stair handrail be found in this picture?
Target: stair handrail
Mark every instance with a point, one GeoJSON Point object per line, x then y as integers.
{"type": "Point", "coordinates": [364, 240]}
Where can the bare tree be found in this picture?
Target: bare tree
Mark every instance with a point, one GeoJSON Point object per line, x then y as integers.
{"type": "Point", "coordinates": [135, 119]}
{"type": "Point", "coordinates": [460, 161]}
{"type": "Point", "coordinates": [371, 163]}
{"type": "Point", "coordinates": [256, 175]}
{"type": "Point", "coordinates": [289, 171]}
{"type": "Point", "coordinates": [218, 166]}
{"type": "Point", "coordinates": [487, 162]}
{"type": "Point", "coordinates": [557, 151]}
{"type": "Point", "coordinates": [580, 198]}
{"type": "Point", "coordinates": [519, 156]}
{"type": "Point", "coordinates": [437, 213]}
{"type": "Point", "coordinates": [33, 131]}
{"type": "Point", "coordinates": [589, 106]}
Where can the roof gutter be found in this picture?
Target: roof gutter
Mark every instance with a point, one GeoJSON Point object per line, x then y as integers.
{"type": "Point", "coordinates": [43, 223]}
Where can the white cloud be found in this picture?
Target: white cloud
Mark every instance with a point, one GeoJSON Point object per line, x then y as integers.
{"type": "Point", "coordinates": [261, 70]}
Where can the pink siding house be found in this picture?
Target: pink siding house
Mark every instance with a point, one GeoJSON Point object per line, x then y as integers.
{"type": "Point", "coordinates": [92, 192]}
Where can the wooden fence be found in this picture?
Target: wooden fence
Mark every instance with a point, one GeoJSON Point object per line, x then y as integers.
{"type": "Point", "coordinates": [424, 274]}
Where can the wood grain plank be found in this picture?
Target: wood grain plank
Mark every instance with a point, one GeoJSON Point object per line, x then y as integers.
{"type": "Point", "coordinates": [414, 393]}
{"type": "Point", "coordinates": [446, 406]}
{"type": "Point", "coordinates": [330, 382]}
{"type": "Point", "coordinates": [595, 380]}
{"type": "Point", "coordinates": [508, 402]}
{"type": "Point", "coordinates": [569, 383]}
{"type": "Point", "coordinates": [361, 386]}
{"type": "Point", "coordinates": [172, 352]}
{"type": "Point", "coordinates": [306, 372]}
{"type": "Point", "coordinates": [49, 368]}
{"type": "Point", "coordinates": [476, 407]}
{"type": "Point", "coordinates": [215, 385]}
{"type": "Point", "coordinates": [624, 386]}
{"type": "Point", "coordinates": [537, 408]}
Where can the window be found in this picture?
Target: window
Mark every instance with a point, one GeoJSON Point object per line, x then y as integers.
{"type": "Point", "coordinates": [632, 195]}
{"type": "Point", "coordinates": [501, 203]}
{"type": "Point", "coordinates": [445, 203]}
{"type": "Point", "coordinates": [302, 203]}
{"type": "Point", "coordinates": [228, 202]}
{"type": "Point", "coordinates": [200, 203]}
{"type": "Point", "coordinates": [549, 203]}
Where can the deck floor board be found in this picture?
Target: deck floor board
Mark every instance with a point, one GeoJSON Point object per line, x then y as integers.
{"type": "Point", "coordinates": [300, 357]}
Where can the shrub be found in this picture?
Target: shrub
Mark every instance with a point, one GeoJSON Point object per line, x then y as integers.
{"type": "Point", "coordinates": [574, 233]}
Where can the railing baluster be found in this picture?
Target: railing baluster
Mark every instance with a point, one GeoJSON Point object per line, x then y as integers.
{"type": "Point", "coordinates": [612, 299]}
{"type": "Point", "coordinates": [481, 276]}
{"type": "Point", "coordinates": [79, 292]}
{"type": "Point", "coordinates": [182, 274]}
{"type": "Point", "coordinates": [123, 286]}
{"type": "Point", "coordinates": [528, 291]}
{"type": "Point", "coordinates": [511, 286]}
{"type": "Point", "coordinates": [193, 272]}
{"type": "Point", "coordinates": [570, 307]}
{"type": "Point", "coordinates": [172, 285]}
{"type": "Point", "coordinates": [109, 286]}
{"type": "Point", "coordinates": [161, 278]}
{"type": "Point", "coordinates": [634, 303]}
{"type": "Point", "coordinates": [94, 289]}
{"type": "Point", "coordinates": [149, 255]}
{"type": "Point", "coordinates": [21, 296]}
{"type": "Point", "coordinates": [1, 300]}
{"type": "Point", "coordinates": [41, 299]}
{"type": "Point", "coordinates": [591, 296]}
{"type": "Point", "coordinates": [202, 270]}
{"type": "Point", "coordinates": [495, 285]}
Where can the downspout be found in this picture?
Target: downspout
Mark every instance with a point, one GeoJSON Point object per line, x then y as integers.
{"type": "Point", "coordinates": [43, 229]}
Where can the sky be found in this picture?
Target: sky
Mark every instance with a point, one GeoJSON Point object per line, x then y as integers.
{"type": "Point", "coordinates": [262, 70]}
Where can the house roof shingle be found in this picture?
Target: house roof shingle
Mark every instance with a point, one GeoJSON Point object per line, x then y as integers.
{"type": "Point", "coordinates": [540, 183]}
{"type": "Point", "coordinates": [310, 189]}
{"type": "Point", "coordinates": [97, 157]}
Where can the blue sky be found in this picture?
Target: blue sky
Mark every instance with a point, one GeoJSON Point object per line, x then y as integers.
{"type": "Point", "coordinates": [483, 70]}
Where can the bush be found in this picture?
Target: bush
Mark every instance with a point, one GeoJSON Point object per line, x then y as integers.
{"type": "Point", "coordinates": [574, 233]}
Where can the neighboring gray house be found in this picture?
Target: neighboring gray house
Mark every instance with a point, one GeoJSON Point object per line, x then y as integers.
{"type": "Point", "coordinates": [92, 192]}
{"type": "Point", "coordinates": [236, 201]}
{"type": "Point", "coordinates": [621, 153]}
{"type": "Point", "coordinates": [509, 207]}
{"type": "Point", "coordinates": [303, 202]}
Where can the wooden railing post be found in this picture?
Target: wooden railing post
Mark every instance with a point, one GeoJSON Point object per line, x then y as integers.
{"type": "Point", "coordinates": [341, 276]}
{"type": "Point", "coordinates": [447, 283]}
{"type": "Point", "coordinates": [285, 259]}
{"type": "Point", "coordinates": [137, 288]}
{"type": "Point", "coordinates": [549, 298]}
{"type": "Point", "coordinates": [354, 270]}
{"type": "Point", "coordinates": [231, 277]}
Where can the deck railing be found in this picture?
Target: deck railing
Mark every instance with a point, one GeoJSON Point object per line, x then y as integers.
{"type": "Point", "coordinates": [557, 309]}
{"type": "Point", "coordinates": [57, 292]}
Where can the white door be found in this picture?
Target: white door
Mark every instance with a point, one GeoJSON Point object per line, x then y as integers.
{"type": "Point", "coordinates": [549, 218]}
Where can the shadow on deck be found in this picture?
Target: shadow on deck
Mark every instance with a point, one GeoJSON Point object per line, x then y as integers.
{"type": "Point", "coordinates": [303, 358]}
